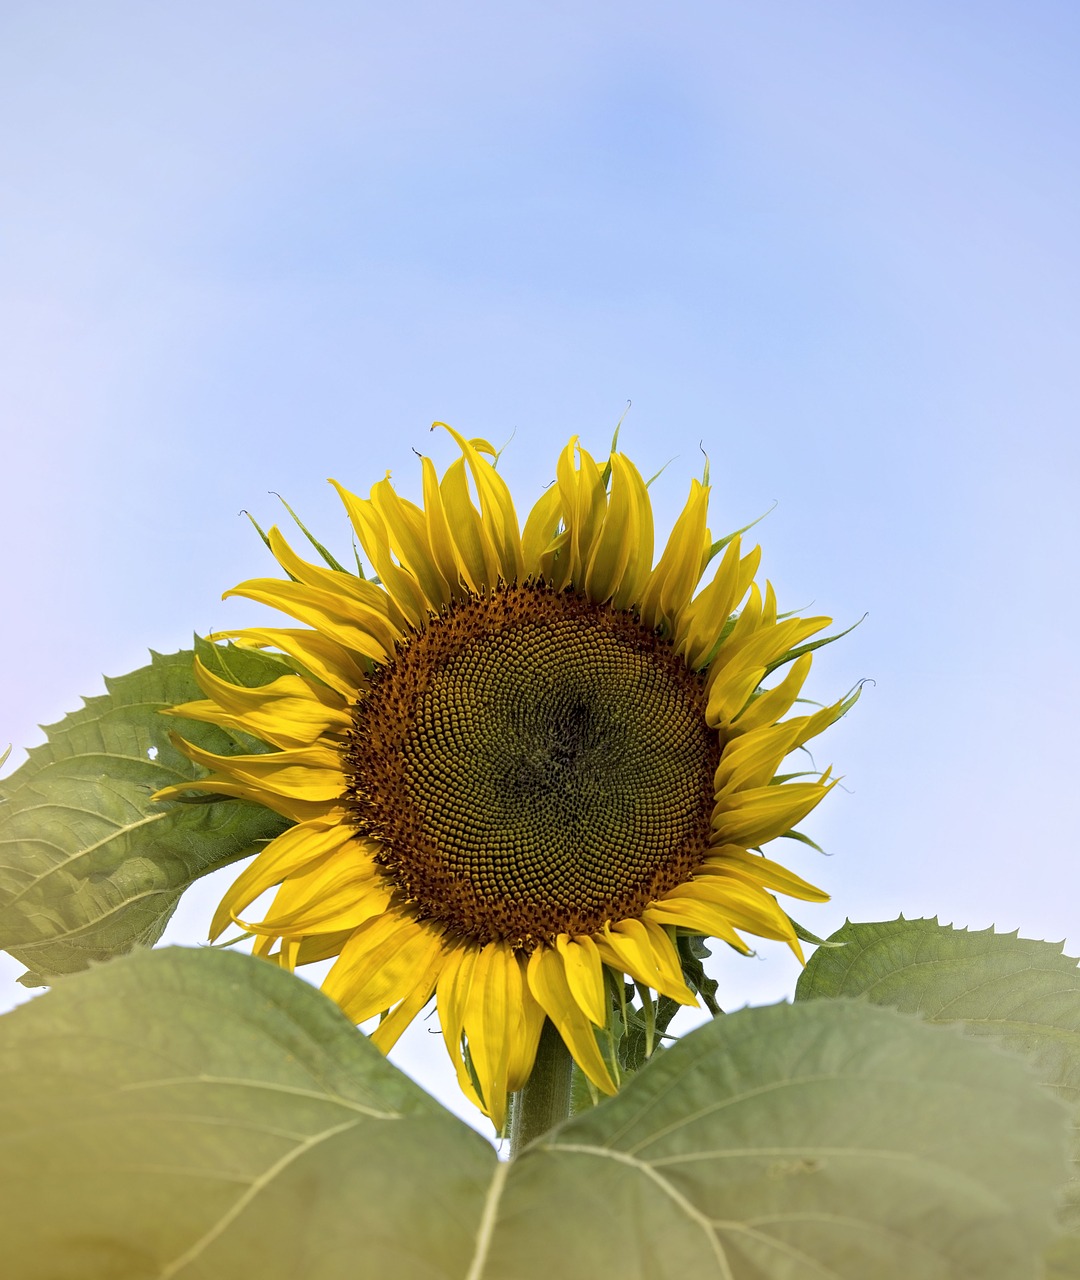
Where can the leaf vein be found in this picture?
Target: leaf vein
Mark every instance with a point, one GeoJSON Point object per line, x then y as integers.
{"type": "Point", "coordinates": [241, 1203]}
{"type": "Point", "coordinates": [677, 1198]}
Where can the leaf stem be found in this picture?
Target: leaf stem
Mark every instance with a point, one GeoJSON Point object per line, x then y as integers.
{"type": "Point", "coordinates": [545, 1099]}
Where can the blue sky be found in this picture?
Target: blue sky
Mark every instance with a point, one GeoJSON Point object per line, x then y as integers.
{"type": "Point", "coordinates": [250, 246]}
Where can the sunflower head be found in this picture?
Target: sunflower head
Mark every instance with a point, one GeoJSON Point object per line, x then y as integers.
{"type": "Point", "coordinates": [519, 763]}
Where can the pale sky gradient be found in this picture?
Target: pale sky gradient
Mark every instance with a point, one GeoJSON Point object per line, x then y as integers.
{"type": "Point", "coordinates": [247, 246]}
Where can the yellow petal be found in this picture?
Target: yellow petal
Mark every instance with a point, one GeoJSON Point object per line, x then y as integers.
{"type": "Point", "coordinates": [304, 773]}
{"type": "Point", "coordinates": [541, 529]}
{"type": "Point", "coordinates": [775, 703]}
{"type": "Point", "coordinates": [743, 659]}
{"type": "Point", "coordinates": [336, 617]}
{"type": "Point", "coordinates": [368, 597]}
{"type": "Point", "coordinates": [767, 643]}
{"type": "Point", "coordinates": [753, 817]}
{"type": "Point", "coordinates": [496, 507]}
{"type": "Point", "coordinates": [478, 553]}
{"type": "Point", "coordinates": [383, 962]}
{"type": "Point", "coordinates": [584, 975]}
{"type": "Point", "coordinates": [240, 699]}
{"type": "Point", "coordinates": [528, 1023]}
{"type": "Point", "coordinates": [487, 1025]}
{"type": "Point", "coordinates": [262, 947]}
{"type": "Point", "coordinates": [752, 760]}
{"type": "Point", "coordinates": [452, 995]}
{"type": "Point", "coordinates": [810, 726]}
{"type": "Point", "coordinates": [473, 998]}
{"type": "Point", "coordinates": [330, 895]}
{"type": "Point", "coordinates": [698, 914]}
{"type": "Point", "coordinates": [373, 535]}
{"type": "Point", "coordinates": [407, 528]}
{"type": "Point", "coordinates": [730, 693]}
{"type": "Point", "coordinates": [755, 867]}
{"type": "Point", "coordinates": [287, 806]}
{"type": "Point", "coordinates": [288, 712]}
{"type": "Point", "coordinates": [444, 550]}
{"type": "Point", "coordinates": [324, 658]}
{"type": "Point", "coordinates": [288, 853]}
{"type": "Point", "coordinates": [703, 620]}
{"type": "Point", "coordinates": [490, 1020]}
{"type": "Point", "coordinates": [584, 503]}
{"type": "Point", "coordinates": [672, 582]}
{"type": "Point", "coordinates": [747, 906]}
{"type": "Point", "coordinates": [621, 557]}
{"type": "Point", "coordinates": [768, 609]}
{"type": "Point", "coordinates": [425, 977]}
{"type": "Point", "coordinates": [321, 946]}
{"type": "Point", "coordinates": [547, 981]}
{"type": "Point", "coordinates": [645, 952]}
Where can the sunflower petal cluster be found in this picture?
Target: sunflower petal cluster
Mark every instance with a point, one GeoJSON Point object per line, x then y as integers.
{"type": "Point", "coordinates": [357, 883]}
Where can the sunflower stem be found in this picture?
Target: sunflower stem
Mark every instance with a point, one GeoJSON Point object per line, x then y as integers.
{"type": "Point", "coordinates": [544, 1101]}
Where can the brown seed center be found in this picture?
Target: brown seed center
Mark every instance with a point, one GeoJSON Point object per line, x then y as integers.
{"type": "Point", "coordinates": [533, 763]}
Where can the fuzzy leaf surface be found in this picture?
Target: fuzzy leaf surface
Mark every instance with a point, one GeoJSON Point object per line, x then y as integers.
{"type": "Point", "coordinates": [197, 1114]}
{"type": "Point", "coordinates": [1023, 993]}
{"type": "Point", "coordinates": [1063, 1259]}
{"type": "Point", "coordinates": [90, 867]}
{"type": "Point", "coordinates": [187, 1115]}
{"type": "Point", "coordinates": [829, 1139]}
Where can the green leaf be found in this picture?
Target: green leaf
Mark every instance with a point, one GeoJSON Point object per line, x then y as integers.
{"type": "Point", "coordinates": [1063, 1259]}
{"type": "Point", "coordinates": [692, 951]}
{"type": "Point", "coordinates": [185, 1115]}
{"type": "Point", "coordinates": [644, 1029]}
{"type": "Point", "coordinates": [90, 866]}
{"type": "Point", "coordinates": [823, 1141]}
{"type": "Point", "coordinates": [1023, 993]}
{"type": "Point", "coordinates": [198, 1114]}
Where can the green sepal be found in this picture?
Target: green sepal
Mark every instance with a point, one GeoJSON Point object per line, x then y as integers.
{"type": "Point", "coordinates": [804, 935]}
{"type": "Point", "coordinates": [327, 557]}
{"type": "Point", "coordinates": [605, 474]}
{"type": "Point", "coordinates": [802, 839]}
{"type": "Point", "coordinates": [721, 543]}
{"type": "Point", "coordinates": [656, 476]}
{"type": "Point", "coordinates": [778, 779]}
{"type": "Point", "coordinates": [810, 646]}
{"type": "Point", "coordinates": [261, 532]}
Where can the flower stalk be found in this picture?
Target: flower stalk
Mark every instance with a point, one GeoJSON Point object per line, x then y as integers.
{"type": "Point", "coordinates": [544, 1100]}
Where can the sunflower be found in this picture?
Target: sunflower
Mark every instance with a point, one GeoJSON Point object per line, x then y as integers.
{"type": "Point", "coordinates": [519, 764]}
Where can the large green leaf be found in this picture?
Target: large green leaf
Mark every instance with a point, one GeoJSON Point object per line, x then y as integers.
{"type": "Point", "coordinates": [1063, 1259]}
{"type": "Point", "coordinates": [1023, 993]}
{"type": "Point", "coordinates": [89, 866]}
{"type": "Point", "coordinates": [191, 1115]}
{"type": "Point", "coordinates": [202, 1114]}
{"type": "Point", "coordinates": [830, 1140]}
